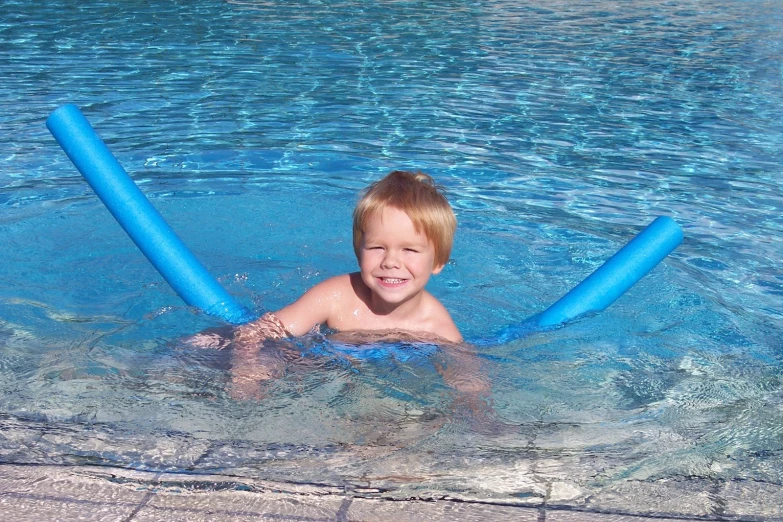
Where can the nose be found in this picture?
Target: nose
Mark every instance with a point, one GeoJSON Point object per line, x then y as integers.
{"type": "Point", "coordinates": [390, 259]}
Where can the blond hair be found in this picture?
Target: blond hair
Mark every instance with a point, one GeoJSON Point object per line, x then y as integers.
{"type": "Point", "coordinates": [416, 194]}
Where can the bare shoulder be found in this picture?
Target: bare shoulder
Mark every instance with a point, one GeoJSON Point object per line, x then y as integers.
{"type": "Point", "coordinates": [331, 289]}
{"type": "Point", "coordinates": [334, 284]}
{"type": "Point", "coordinates": [440, 320]}
{"type": "Point", "coordinates": [315, 306]}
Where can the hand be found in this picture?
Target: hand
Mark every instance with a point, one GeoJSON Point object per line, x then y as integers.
{"type": "Point", "coordinates": [252, 366]}
{"type": "Point", "coordinates": [478, 413]}
{"type": "Point", "coordinates": [212, 338]}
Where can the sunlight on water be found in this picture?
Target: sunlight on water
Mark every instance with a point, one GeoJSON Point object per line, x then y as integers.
{"type": "Point", "coordinates": [558, 132]}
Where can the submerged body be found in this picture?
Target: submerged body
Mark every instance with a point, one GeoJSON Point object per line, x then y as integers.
{"type": "Point", "coordinates": [257, 356]}
{"type": "Point", "coordinates": [402, 234]}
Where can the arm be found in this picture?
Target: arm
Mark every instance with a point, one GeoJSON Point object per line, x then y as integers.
{"type": "Point", "coordinates": [441, 322]}
{"type": "Point", "coordinates": [448, 330]}
{"type": "Point", "coordinates": [250, 364]}
{"type": "Point", "coordinates": [316, 306]}
{"type": "Point", "coordinates": [294, 320]}
{"type": "Point", "coordinates": [462, 371]}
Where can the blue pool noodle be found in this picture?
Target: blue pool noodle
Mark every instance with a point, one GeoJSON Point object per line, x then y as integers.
{"type": "Point", "coordinates": [198, 288]}
{"type": "Point", "coordinates": [611, 280]}
{"type": "Point", "coordinates": [619, 273]}
{"type": "Point", "coordinates": [134, 212]}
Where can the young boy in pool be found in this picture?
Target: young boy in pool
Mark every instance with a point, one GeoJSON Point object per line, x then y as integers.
{"type": "Point", "coordinates": [403, 230]}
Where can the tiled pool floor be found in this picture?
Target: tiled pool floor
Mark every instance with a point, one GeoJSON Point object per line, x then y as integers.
{"type": "Point", "coordinates": [42, 493]}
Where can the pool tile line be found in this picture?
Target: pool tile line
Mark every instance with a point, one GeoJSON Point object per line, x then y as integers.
{"type": "Point", "coordinates": [144, 501]}
{"type": "Point", "coordinates": [152, 496]}
{"type": "Point", "coordinates": [543, 512]}
{"type": "Point", "coordinates": [56, 498]}
{"type": "Point", "coordinates": [342, 513]}
{"type": "Point", "coordinates": [167, 514]}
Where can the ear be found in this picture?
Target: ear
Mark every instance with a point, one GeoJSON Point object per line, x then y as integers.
{"type": "Point", "coordinates": [436, 269]}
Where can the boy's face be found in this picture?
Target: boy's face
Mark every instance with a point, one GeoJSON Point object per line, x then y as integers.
{"type": "Point", "coordinates": [395, 261]}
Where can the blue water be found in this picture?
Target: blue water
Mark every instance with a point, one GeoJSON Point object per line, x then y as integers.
{"type": "Point", "coordinates": [558, 129]}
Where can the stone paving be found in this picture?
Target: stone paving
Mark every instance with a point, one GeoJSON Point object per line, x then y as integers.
{"type": "Point", "coordinates": [41, 493]}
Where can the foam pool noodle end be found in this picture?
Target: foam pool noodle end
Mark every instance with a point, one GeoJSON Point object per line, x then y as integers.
{"type": "Point", "coordinates": [607, 283]}
{"type": "Point", "coordinates": [134, 212]}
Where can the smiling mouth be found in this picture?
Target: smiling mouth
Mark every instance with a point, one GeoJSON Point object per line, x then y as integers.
{"type": "Point", "coordinates": [391, 280]}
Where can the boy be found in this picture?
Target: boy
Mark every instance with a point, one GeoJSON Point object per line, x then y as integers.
{"type": "Point", "coordinates": [403, 230]}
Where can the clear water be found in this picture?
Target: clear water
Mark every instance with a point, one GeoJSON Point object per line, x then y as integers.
{"type": "Point", "coordinates": [559, 129]}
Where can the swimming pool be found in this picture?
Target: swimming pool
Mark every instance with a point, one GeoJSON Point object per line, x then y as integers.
{"type": "Point", "coordinates": [558, 130]}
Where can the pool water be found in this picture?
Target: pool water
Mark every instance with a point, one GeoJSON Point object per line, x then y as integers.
{"type": "Point", "coordinates": [559, 130]}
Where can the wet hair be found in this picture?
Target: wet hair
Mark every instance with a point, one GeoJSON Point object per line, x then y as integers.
{"type": "Point", "coordinates": [416, 194]}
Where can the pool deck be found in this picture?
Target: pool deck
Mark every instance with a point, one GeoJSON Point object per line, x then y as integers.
{"type": "Point", "coordinates": [40, 493]}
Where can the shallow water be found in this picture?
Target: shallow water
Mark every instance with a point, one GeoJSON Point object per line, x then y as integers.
{"type": "Point", "coordinates": [559, 130]}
